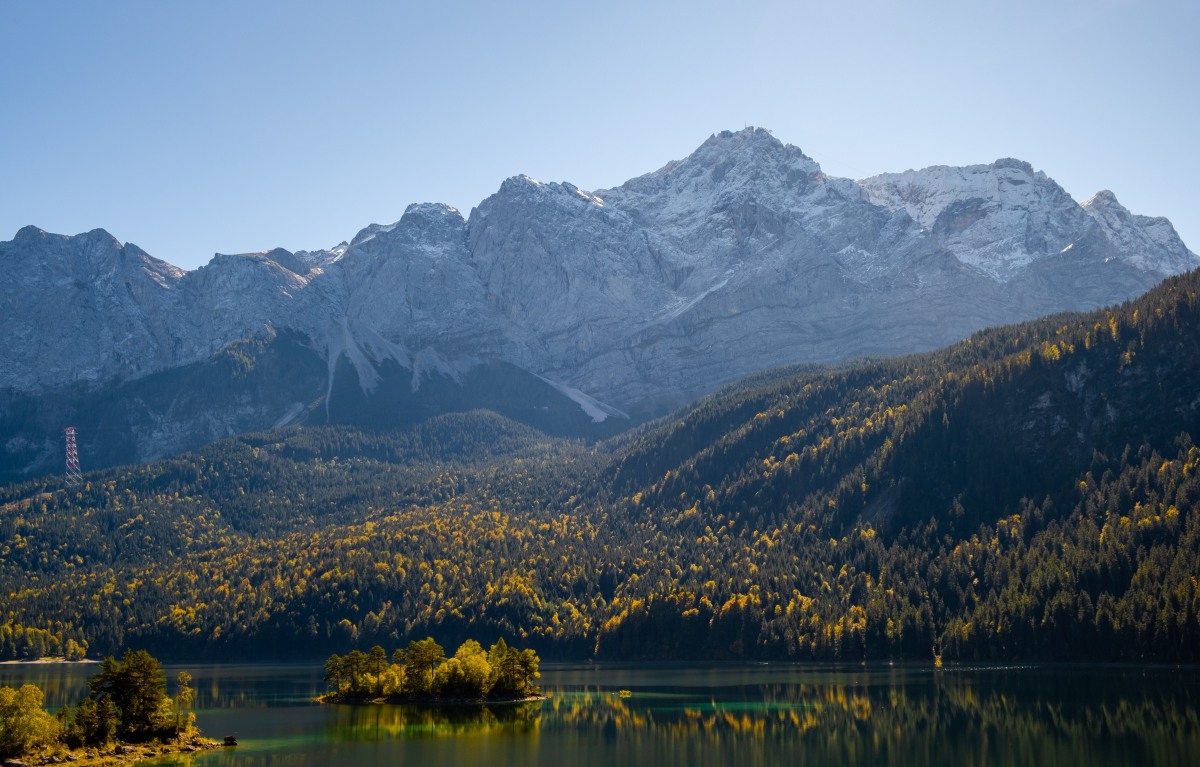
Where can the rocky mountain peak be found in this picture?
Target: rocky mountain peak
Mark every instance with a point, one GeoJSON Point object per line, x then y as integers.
{"type": "Point", "coordinates": [1015, 164]}
{"type": "Point", "coordinates": [927, 193]}
{"type": "Point", "coordinates": [28, 235]}
{"type": "Point", "coordinates": [94, 257]}
{"type": "Point", "coordinates": [319, 259]}
{"type": "Point", "coordinates": [96, 238]}
{"type": "Point", "coordinates": [370, 232]}
{"type": "Point", "coordinates": [231, 280]}
{"type": "Point", "coordinates": [750, 145]}
{"type": "Point", "coordinates": [288, 260]}
{"type": "Point", "coordinates": [1105, 201]}
{"type": "Point", "coordinates": [525, 193]}
{"type": "Point", "coordinates": [429, 228]}
{"type": "Point", "coordinates": [429, 219]}
{"type": "Point", "coordinates": [997, 218]}
{"type": "Point", "coordinates": [1150, 243]}
{"type": "Point", "coordinates": [521, 184]}
{"type": "Point", "coordinates": [750, 162]}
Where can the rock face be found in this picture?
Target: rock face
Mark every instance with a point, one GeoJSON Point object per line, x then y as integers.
{"type": "Point", "coordinates": [623, 301]}
{"type": "Point", "coordinates": [83, 308]}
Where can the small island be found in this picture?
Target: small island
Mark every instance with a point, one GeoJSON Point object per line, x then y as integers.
{"type": "Point", "coordinates": [421, 673]}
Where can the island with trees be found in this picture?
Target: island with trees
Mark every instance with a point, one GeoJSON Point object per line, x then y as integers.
{"type": "Point", "coordinates": [126, 715]}
{"type": "Point", "coordinates": [421, 672]}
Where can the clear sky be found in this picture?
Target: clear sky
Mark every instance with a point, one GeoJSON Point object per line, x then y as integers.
{"type": "Point", "coordinates": [235, 126]}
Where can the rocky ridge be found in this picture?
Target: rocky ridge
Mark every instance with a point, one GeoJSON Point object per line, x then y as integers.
{"type": "Point", "coordinates": [742, 256]}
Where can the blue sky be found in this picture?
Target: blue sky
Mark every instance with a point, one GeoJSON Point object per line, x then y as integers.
{"type": "Point", "coordinates": [194, 128]}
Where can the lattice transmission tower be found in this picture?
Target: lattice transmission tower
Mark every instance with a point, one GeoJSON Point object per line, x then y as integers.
{"type": "Point", "coordinates": [74, 475]}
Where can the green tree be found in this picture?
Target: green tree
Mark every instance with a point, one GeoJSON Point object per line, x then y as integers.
{"type": "Point", "coordinates": [527, 668]}
{"type": "Point", "coordinates": [377, 660]}
{"type": "Point", "coordinates": [354, 666]}
{"type": "Point", "coordinates": [136, 686]}
{"type": "Point", "coordinates": [506, 668]}
{"type": "Point", "coordinates": [377, 663]}
{"type": "Point", "coordinates": [334, 672]}
{"type": "Point", "coordinates": [448, 678]}
{"type": "Point", "coordinates": [75, 651]}
{"type": "Point", "coordinates": [183, 698]}
{"type": "Point", "coordinates": [476, 671]}
{"type": "Point", "coordinates": [24, 725]}
{"type": "Point", "coordinates": [423, 657]}
{"type": "Point", "coordinates": [392, 680]}
{"type": "Point", "coordinates": [91, 723]}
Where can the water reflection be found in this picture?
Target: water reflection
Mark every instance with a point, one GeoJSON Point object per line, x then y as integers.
{"type": "Point", "coordinates": [975, 717]}
{"type": "Point", "coordinates": [61, 682]}
{"type": "Point", "coordinates": [372, 722]}
{"type": "Point", "coordinates": [215, 686]}
{"type": "Point", "coordinates": [720, 715]}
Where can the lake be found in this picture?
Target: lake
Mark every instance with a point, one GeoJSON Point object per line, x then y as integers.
{"type": "Point", "coordinates": [612, 715]}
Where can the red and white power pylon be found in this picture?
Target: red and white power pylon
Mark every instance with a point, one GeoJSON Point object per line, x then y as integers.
{"type": "Point", "coordinates": [74, 475]}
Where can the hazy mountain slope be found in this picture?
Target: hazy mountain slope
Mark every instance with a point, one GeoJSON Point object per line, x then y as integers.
{"type": "Point", "coordinates": [1011, 413]}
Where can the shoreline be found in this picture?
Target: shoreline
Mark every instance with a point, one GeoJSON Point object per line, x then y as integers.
{"type": "Point", "coordinates": [45, 661]}
{"type": "Point", "coordinates": [119, 753]}
{"type": "Point", "coordinates": [431, 702]}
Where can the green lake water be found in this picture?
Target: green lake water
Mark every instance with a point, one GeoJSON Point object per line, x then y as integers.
{"type": "Point", "coordinates": [723, 715]}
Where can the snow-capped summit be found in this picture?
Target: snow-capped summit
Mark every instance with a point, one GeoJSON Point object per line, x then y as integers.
{"type": "Point", "coordinates": [998, 218]}
{"type": "Point", "coordinates": [1004, 217]}
{"type": "Point", "coordinates": [750, 164]}
{"type": "Point", "coordinates": [1149, 243]}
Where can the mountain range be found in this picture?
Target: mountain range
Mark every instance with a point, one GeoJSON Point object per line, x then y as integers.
{"type": "Point", "coordinates": [573, 311]}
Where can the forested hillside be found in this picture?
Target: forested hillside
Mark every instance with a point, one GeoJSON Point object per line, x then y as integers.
{"type": "Point", "coordinates": [1029, 493]}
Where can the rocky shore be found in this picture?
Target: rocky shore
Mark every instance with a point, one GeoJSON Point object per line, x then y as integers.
{"type": "Point", "coordinates": [122, 753]}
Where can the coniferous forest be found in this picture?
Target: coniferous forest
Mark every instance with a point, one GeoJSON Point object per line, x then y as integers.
{"type": "Point", "coordinates": [1030, 493]}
